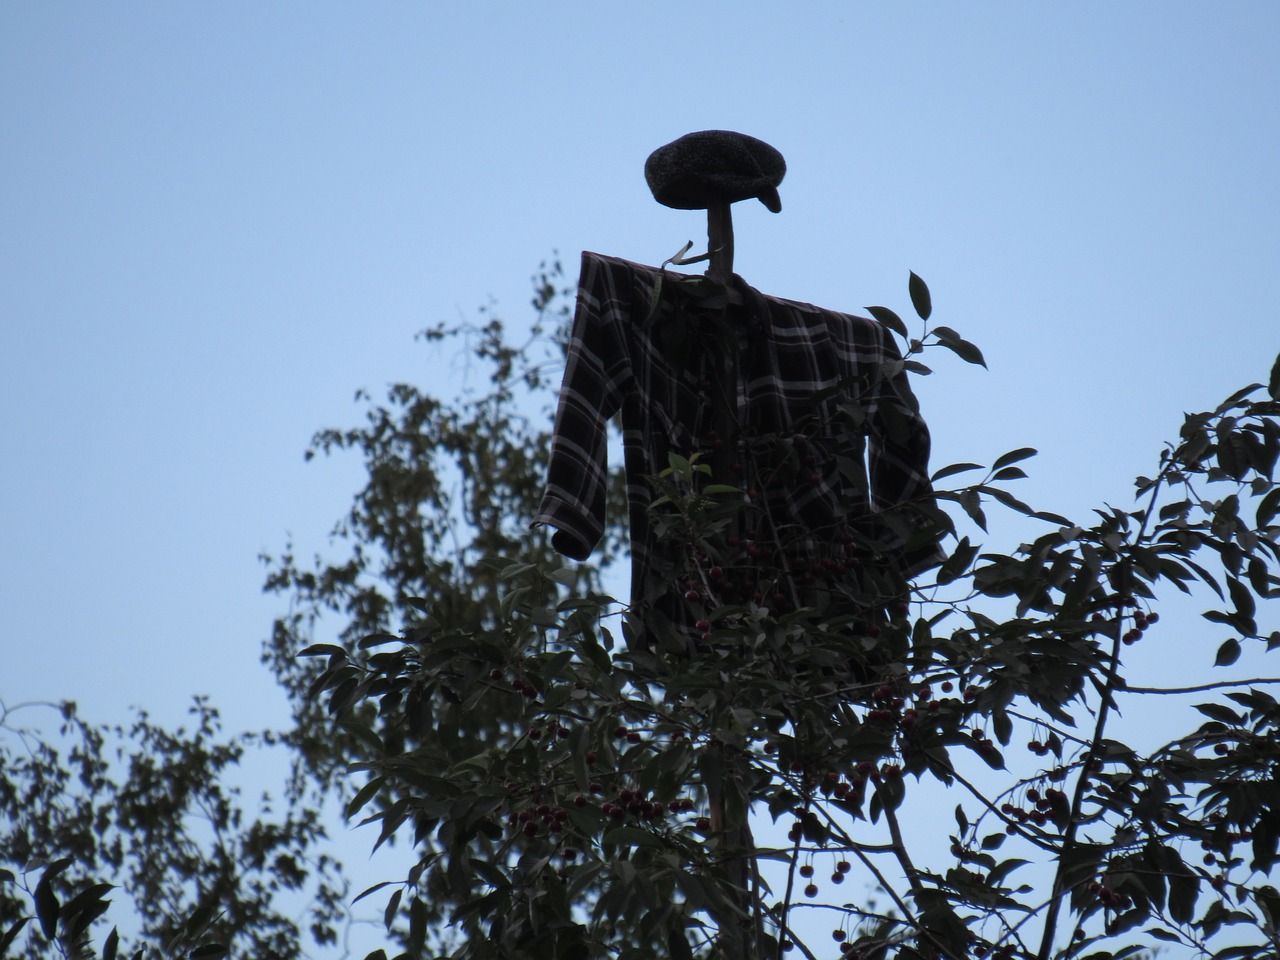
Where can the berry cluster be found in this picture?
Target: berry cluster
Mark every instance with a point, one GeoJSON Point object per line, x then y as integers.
{"type": "Point", "coordinates": [840, 871]}
{"type": "Point", "coordinates": [1046, 806]}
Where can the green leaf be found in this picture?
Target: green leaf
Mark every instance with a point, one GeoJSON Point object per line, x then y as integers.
{"type": "Point", "coordinates": [110, 946]}
{"type": "Point", "coordinates": [1003, 726]}
{"type": "Point", "coordinates": [374, 889]}
{"type": "Point", "coordinates": [953, 468]}
{"type": "Point", "coordinates": [210, 949]}
{"type": "Point", "coordinates": [365, 734]}
{"type": "Point", "coordinates": [1013, 456]}
{"type": "Point", "coordinates": [47, 907]}
{"type": "Point", "coordinates": [920, 298]}
{"type": "Point", "coordinates": [630, 837]}
{"type": "Point", "coordinates": [322, 650]}
{"type": "Point", "coordinates": [1273, 385]}
{"type": "Point", "coordinates": [365, 794]}
{"type": "Point", "coordinates": [1010, 473]}
{"type": "Point", "coordinates": [889, 319]}
{"type": "Point", "coordinates": [1228, 653]}
{"type": "Point", "coordinates": [1219, 712]}
{"type": "Point", "coordinates": [962, 348]}
{"type": "Point", "coordinates": [393, 906]}
{"type": "Point", "coordinates": [12, 934]}
{"type": "Point", "coordinates": [563, 576]}
{"type": "Point", "coordinates": [377, 639]}
{"type": "Point", "coordinates": [1241, 597]}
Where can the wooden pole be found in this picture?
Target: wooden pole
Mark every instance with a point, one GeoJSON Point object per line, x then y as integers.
{"type": "Point", "coordinates": [720, 243]}
{"type": "Point", "coordinates": [739, 936]}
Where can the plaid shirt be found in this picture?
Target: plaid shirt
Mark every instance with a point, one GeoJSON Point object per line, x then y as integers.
{"type": "Point", "coordinates": [827, 445]}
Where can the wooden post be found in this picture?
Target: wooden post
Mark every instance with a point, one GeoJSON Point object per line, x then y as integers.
{"type": "Point", "coordinates": [720, 243]}
{"type": "Point", "coordinates": [739, 938]}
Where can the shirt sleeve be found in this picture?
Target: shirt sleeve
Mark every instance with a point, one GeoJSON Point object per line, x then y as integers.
{"type": "Point", "coordinates": [577, 470]}
{"type": "Point", "coordinates": [898, 462]}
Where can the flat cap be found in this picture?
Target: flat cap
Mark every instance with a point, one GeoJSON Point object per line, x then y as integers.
{"type": "Point", "coordinates": [715, 166]}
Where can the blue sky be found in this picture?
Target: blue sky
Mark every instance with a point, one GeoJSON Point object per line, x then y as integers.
{"type": "Point", "coordinates": [217, 221]}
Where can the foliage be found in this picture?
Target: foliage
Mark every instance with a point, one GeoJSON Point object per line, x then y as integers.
{"type": "Point", "coordinates": [558, 794]}
{"type": "Point", "coordinates": [152, 809]}
{"type": "Point", "coordinates": [558, 789]}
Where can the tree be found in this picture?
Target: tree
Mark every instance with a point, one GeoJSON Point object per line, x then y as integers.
{"type": "Point", "coordinates": [555, 786]}
{"type": "Point", "coordinates": [553, 790]}
{"type": "Point", "coordinates": [157, 812]}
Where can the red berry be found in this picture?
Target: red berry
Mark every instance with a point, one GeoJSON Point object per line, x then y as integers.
{"type": "Point", "coordinates": [703, 824]}
{"type": "Point", "coordinates": [811, 890]}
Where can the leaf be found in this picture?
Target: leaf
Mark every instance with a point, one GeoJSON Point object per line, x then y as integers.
{"type": "Point", "coordinates": [1273, 385]}
{"type": "Point", "coordinates": [365, 734]}
{"type": "Point", "coordinates": [83, 919]}
{"type": "Point", "coordinates": [630, 837]}
{"type": "Point", "coordinates": [563, 576]}
{"type": "Point", "coordinates": [12, 934]}
{"type": "Point", "coordinates": [47, 902]}
{"type": "Point", "coordinates": [959, 561]}
{"type": "Point", "coordinates": [364, 795]}
{"type": "Point", "coordinates": [322, 650]}
{"type": "Point", "coordinates": [889, 319]}
{"type": "Point", "coordinates": [393, 905]}
{"type": "Point", "coordinates": [920, 298]}
{"type": "Point", "coordinates": [110, 946]}
{"type": "Point", "coordinates": [208, 950]}
{"type": "Point", "coordinates": [1013, 456]}
{"type": "Point", "coordinates": [962, 348]}
{"type": "Point", "coordinates": [952, 469]}
{"type": "Point", "coordinates": [1219, 712]}
{"type": "Point", "coordinates": [374, 889]}
{"type": "Point", "coordinates": [82, 909]}
{"type": "Point", "coordinates": [377, 639]}
{"type": "Point", "coordinates": [1003, 726]}
{"type": "Point", "coordinates": [1009, 500]}
{"type": "Point", "coordinates": [1228, 653]}
{"type": "Point", "coordinates": [1241, 597]}
{"type": "Point", "coordinates": [1010, 473]}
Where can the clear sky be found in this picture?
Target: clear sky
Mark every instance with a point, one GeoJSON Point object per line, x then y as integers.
{"type": "Point", "coordinates": [217, 221]}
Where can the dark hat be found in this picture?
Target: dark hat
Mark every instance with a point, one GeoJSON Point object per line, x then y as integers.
{"type": "Point", "coordinates": [715, 166]}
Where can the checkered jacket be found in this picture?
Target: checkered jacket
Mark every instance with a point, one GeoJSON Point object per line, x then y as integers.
{"type": "Point", "coordinates": [826, 443]}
